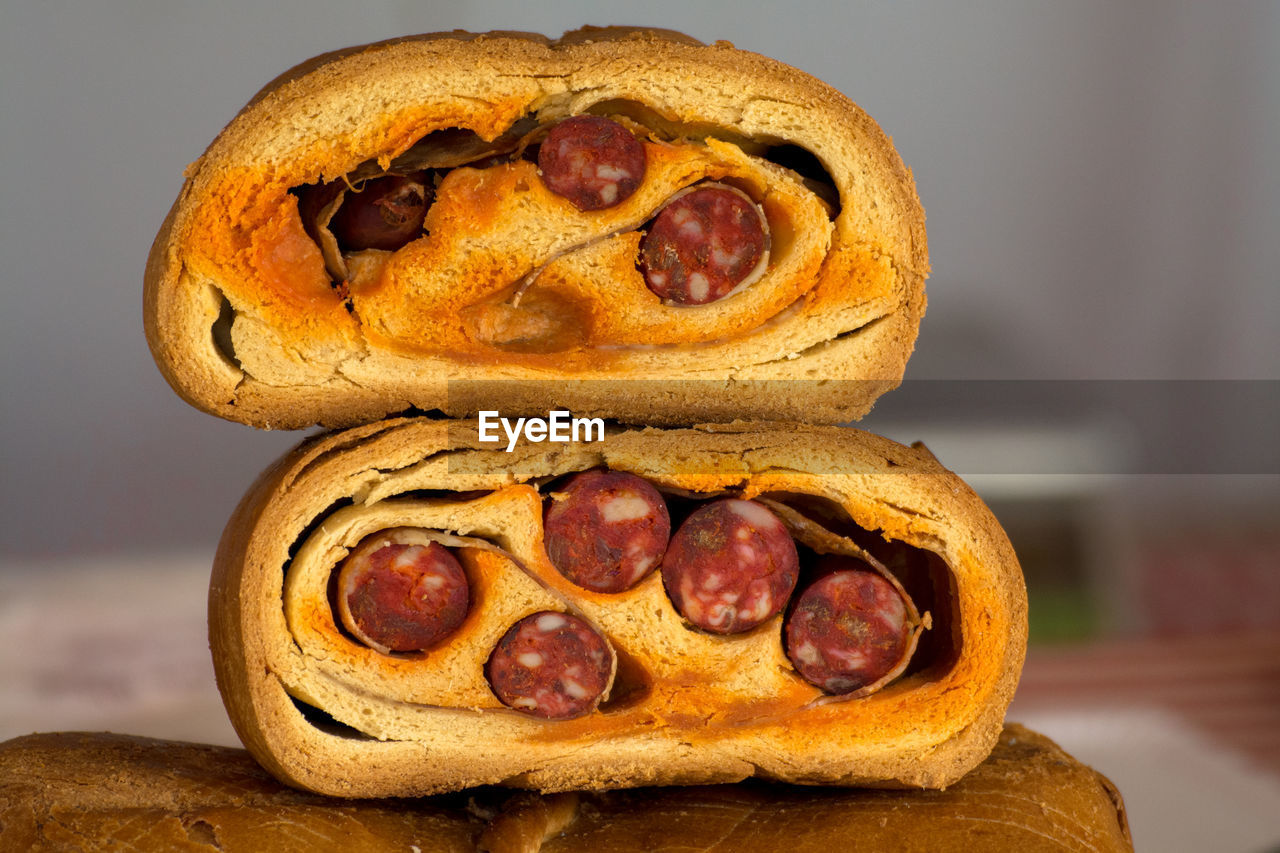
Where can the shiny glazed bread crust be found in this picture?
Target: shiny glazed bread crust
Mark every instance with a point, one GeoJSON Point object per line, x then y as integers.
{"type": "Point", "coordinates": [244, 323]}
{"type": "Point", "coordinates": [96, 791]}
{"type": "Point", "coordinates": [705, 709]}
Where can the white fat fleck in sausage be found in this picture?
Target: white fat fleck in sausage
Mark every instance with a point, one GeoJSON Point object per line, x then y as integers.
{"type": "Point", "coordinates": [625, 507]}
{"type": "Point", "coordinates": [807, 653]}
{"type": "Point", "coordinates": [757, 515]}
{"type": "Point", "coordinates": [574, 689]}
{"type": "Point", "coordinates": [550, 622]}
{"type": "Point", "coordinates": [699, 287]}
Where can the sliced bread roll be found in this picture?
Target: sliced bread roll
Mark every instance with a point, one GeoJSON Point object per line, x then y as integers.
{"type": "Point", "coordinates": [383, 222]}
{"type": "Point", "coordinates": [544, 682]}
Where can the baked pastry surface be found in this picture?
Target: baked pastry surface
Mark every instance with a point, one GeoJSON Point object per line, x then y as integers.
{"type": "Point", "coordinates": [103, 791]}
{"type": "Point", "coordinates": [254, 313]}
{"type": "Point", "coordinates": [325, 712]}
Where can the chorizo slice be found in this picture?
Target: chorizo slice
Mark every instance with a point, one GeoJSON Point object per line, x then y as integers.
{"type": "Point", "coordinates": [399, 593]}
{"type": "Point", "coordinates": [592, 161]}
{"type": "Point", "coordinates": [730, 566]}
{"type": "Point", "coordinates": [383, 213]}
{"type": "Point", "coordinates": [703, 245]}
{"type": "Point", "coordinates": [849, 628]}
{"type": "Point", "coordinates": [551, 665]}
{"type": "Point", "coordinates": [606, 530]}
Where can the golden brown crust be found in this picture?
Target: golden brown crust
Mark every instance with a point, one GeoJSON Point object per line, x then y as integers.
{"type": "Point", "coordinates": [688, 707]}
{"type": "Point", "coordinates": [95, 791]}
{"type": "Point", "coordinates": [1027, 796]}
{"type": "Point", "coordinates": [244, 323]}
{"type": "Point", "coordinates": [81, 791]}
{"type": "Point", "coordinates": [527, 821]}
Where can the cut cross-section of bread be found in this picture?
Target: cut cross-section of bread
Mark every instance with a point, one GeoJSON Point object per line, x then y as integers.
{"type": "Point", "coordinates": [380, 223]}
{"type": "Point", "coordinates": [673, 703]}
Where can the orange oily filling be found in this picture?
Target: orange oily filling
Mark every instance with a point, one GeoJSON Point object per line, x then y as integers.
{"type": "Point", "coordinates": [466, 288]}
{"type": "Point", "coordinates": [248, 238]}
{"type": "Point", "coordinates": [507, 270]}
{"type": "Point", "coordinates": [686, 683]}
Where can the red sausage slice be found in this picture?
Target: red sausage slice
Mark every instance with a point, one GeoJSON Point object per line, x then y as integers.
{"type": "Point", "coordinates": [702, 245]}
{"type": "Point", "coordinates": [397, 596]}
{"type": "Point", "coordinates": [384, 213]}
{"type": "Point", "coordinates": [551, 665]}
{"type": "Point", "coordinates": [730, 567]}
{"type": "Point", "coordinates": [593, 162]}
{"type": "Point", "coordinates": [607, 531]}
{"type": "Point", "coordinates": [848, 629]}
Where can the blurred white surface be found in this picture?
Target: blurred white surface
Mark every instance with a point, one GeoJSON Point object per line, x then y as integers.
{"type": "Point", "coordinates": [114, 644]}
{"type": "Point", "coordinates": [1182, 791]}
{"type": "Point", "coordinates": [1099, 180]}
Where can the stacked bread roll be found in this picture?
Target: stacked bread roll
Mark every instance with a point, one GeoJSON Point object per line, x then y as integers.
{"type": "Point", "coordinates": [587, 314]}
{"type": "Point", "coordinates": [71, 791]}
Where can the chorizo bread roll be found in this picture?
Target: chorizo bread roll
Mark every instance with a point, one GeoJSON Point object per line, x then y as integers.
{"type": "Point", "coordinates": [620, 219]}
{"type": "Point", "coordinates": [798, 603]}
{"type": "Point", "coordinates": [66, 791]}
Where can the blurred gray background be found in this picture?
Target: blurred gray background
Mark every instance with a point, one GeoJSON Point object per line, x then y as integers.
{"type": "Point", "coordinates": [1102, 184]}
{"type": "Point", "coordinates": [1101, 355]}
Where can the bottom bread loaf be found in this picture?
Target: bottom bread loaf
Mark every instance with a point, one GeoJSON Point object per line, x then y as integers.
{"type": "Point", "coordinates": [400, 609]}
{"type": "Point", "coordinates": [75, 791]}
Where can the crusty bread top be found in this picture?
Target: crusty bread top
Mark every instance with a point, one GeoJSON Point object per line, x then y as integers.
{"type": "Point", "coordinates": [98, 791]}
{"type": "Point", "coordinates": [689, 706]}
{"type": "Point", "coordinates": [102, 791]}
{"type": "Point", "coordinates": [1028, 796]}
{"type": "Point", "coordinates": [244, 321]}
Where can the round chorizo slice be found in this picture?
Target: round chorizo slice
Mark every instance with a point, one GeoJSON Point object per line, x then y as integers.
{"type": "Point", "coordinates": [703, 245]}
{"type": "Point", "coordinates": [606, 530]}
{"type": "Point", "coordinates": [397, 593]}
{"type": "Point", "coordinates": [383, 213]}
{"type": "Point", "coordinates": [551, 665]}
{"type": "Point", "coordinates": [592, 161]}
{"type": "Point", "coordinates": [848, 629]}
{"type": "Point", "coordinates": [730, 566]}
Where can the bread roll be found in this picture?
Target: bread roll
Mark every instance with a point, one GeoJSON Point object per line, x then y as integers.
{"type": "Point", "coordinates": [78, 791]}
{"type": "Point", "coordinates": [326, 711]}
{"type": "Point", "coordinates": [1028, 796]}
{"type": "Point", "coordinates": [99, 791]}
{"type": "Point", "coordinates": [269, 303]}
